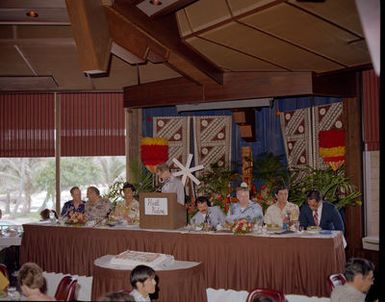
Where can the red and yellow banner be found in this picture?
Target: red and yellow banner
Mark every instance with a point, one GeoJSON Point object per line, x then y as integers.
{"type": "Point", "coordinates": [153, 151]}
{"type": "Point", "coordinates": [332, 147]}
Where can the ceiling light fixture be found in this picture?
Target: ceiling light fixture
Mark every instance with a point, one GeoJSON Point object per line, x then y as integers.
{"type": "Point", "coordinates": [33, 14]}
{"type": "Point", "coordinates": [155, 2]}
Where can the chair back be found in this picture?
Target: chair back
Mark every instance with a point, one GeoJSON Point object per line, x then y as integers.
{"type": "Point", "coordinates": [336, 280]}
{"type": "Point", "coordinates": [4, 270]}
{"type": "Point", "coordinates": [266, 292]}
{"type": "Point", "coordinates": [66, 289]}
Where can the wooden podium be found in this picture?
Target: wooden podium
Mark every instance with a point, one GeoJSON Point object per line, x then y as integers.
{"type": "Point", "coordinates": [161, 211]}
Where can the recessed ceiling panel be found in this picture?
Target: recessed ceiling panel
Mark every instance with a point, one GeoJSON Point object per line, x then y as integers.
{"type": "Point", "coordinates": [341, 12]}
{"type": "Point", "coordinates": [230, 59]}
{"type": "Point", "coordinates": [310, 32]}
{"type": "Point", "coordinates": [11, 63]}
{"type": "Point", "coordinates": [59, 61]}
{"type": "Point", "coordinates": [205, 13]}
{"type": "Point", "coordinates": [271, 49]}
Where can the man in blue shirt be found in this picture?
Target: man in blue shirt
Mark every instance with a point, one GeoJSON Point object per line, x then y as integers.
{"type": "Point", "coordinates": [245, 208]}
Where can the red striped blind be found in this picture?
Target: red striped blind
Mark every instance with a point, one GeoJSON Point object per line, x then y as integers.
{"type": "Point", "coordinates": [371, 98]}
{"type": "Point", "coordinates": [92, 124]}
{"type": "Point", "coordinates": [27, 125]}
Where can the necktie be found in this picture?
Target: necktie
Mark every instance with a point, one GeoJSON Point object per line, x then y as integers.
{"type": "Point", "coordinates": [315, 216]}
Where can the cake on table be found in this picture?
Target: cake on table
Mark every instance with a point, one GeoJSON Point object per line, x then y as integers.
{"type": "Point", "coordinates": [134, 258]}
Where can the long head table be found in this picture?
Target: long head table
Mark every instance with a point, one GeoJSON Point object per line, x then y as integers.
{"type": "Point", "coordinates": [293, 264]}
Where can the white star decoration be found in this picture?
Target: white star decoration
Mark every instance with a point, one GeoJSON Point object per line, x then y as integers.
{"type": "Point", "coordinates": [186, 171]}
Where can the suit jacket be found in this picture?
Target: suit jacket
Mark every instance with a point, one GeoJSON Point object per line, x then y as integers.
{"type": "Point", "coordinates": [330, 218]}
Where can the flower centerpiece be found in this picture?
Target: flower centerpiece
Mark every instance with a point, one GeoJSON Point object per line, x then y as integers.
{"type": "Point", "coordinates": [76, 218]}
{"type": "Point", "coordinates": [242, 226]}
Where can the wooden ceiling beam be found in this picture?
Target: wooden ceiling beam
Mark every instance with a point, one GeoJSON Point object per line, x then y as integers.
{"type": "Point", "coordinates": [134, 40]}
{"type": "Point", "coordinates": [90, 30]}
{"type": "Point", "coordinates": [163, 32]}
{"type": "Point", "coordinates": [238, 86]}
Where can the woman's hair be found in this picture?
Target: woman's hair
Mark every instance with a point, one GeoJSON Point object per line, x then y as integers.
{"type": "Point", "coordinates": [119, 296]}
{"type": "Point", "coordinates": [127, 185]}
{"type": "Point", "coordinates": [31, 275]}
{"type": "Point", "coordinates": [140, 274]}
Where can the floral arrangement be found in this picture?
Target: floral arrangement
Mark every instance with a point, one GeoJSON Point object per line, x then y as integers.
{"type": "Point", "coordinates": [264, 197]}
{"type": "Point", "coordinates": [76, 218]}
{"type": "Point", "coordinates": [241, 226]}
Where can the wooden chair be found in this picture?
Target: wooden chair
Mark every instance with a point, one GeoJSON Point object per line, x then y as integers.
{"type": "Point", "coordinates": [66, 289]}
{"type": "Point", "coordinates": [266, 292]}
{"type": "Point", "coordinates": [336, 280]}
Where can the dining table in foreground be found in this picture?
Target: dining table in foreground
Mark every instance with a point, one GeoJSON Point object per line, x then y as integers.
{"type": "Point", "coordinates": [293, 263]}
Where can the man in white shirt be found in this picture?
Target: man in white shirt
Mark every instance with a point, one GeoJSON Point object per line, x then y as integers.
{"type": "Point", "coordinates": [277, 212]}
{"type": "Point", "coordinates": [171, 184]}
{"type": "Point", "coordinates": [143, 282]}
{"type": "Point", "coordinates": [359, 279]}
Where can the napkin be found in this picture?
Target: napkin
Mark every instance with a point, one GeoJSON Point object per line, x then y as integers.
{"type": "Point", "coordinates": [4, 282]}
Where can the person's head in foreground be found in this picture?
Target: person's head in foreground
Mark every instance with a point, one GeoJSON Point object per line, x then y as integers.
{"type": "Point", "coordinates": [119, 296]}
{"type": "Point", "coordinates": [32, 283]}
{"type": "Point", "coordinates": [243, 195]}
{"type": "Point", "coordinates": [359, 274]}
{"type": "Point", "coordinates": [143, 281]}
{"type": "Point", "coordinates": [202, 204]}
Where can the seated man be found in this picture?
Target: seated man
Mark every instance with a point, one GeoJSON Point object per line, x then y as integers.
{"type": "Point", "coordinates": [207, 214]}
{"type": "Point", "coordinates": [76, 205]}
{"type": "Point", "coordinates": [317, 212]}
{"type": "Point", "coordinates": [245, 208]}
{"type": "Point", "coordinates": [359, 279]}
{"type": "Point", "coordinates": [96, 208]}
{"type": "Point", "coordinates": [143, 282]}
{"type": "Point", "coordinates": [171, 184]}
{"type": "Point", "coordinates": [276, 213]}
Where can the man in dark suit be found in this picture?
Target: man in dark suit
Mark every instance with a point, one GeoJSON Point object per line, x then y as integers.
{"type": "Point", "coordinates": [317, 212]}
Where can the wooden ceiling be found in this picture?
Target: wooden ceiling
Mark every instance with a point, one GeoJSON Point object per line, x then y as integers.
{"type": "Point", "coordinates": [199, 40]}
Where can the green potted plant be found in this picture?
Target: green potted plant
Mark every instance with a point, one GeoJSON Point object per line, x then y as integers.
{"type": "Point", "coordinates": [333, 186]}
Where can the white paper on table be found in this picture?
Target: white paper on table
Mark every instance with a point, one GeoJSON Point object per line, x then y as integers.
{"type": "Point", "coordinates": [155, 206]}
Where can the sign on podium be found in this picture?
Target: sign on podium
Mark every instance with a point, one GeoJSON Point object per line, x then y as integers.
{"type": "Point", "coordinates": [161, 211]}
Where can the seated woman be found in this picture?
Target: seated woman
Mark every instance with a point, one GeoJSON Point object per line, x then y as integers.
{"type": "Point", "coordinates": [76, 205]}
{"type": "Point", "coordinates": [97, 207]}
{"type": "Point", "coordinates": [128, 209]}
{"type": "Point", "coordinates": [207, 214]}
{"type": "Point", "coordinates": [32, 283]}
